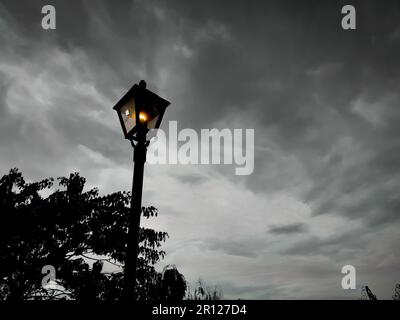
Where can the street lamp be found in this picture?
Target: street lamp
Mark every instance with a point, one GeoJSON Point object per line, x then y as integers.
{"type": "Point", "coordinates": [139, 111]}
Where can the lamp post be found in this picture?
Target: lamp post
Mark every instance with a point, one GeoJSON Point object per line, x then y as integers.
{"type": "Point", "coordinates": [139, 111]}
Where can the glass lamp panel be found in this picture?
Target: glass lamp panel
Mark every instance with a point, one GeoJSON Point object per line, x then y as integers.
{"type": "Point", "coordinates": [149, 115]}
{"type": "Point", "coordinates": [128, 115]}
{"type": "Point", "coordinates": [152, 124]}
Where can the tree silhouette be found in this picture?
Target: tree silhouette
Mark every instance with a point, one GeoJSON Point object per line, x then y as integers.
{"type": "Point", "coordinates": [396, 295]}
{"type": "Point", "coordinates": [172, 284]}
{"type": "Point", "coordinates": [70, 229]}
{"type": "Point", "coordinates": [366, 293]}
{"type": "Point", "coordinates": [203, 292]}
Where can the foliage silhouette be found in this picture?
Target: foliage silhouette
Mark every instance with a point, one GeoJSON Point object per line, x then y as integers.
{"type": "Point", "coordinates": [202, 292]}
{"type": "Point", "coordinates": [69, 229]}
{"type": "Point", "coordinates": [396, 295]}
{"type": "Point", "coordinates": [366, 293]}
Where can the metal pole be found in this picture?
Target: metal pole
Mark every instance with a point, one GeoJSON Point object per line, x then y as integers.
{"type": "Point", "coordinates": [132, 249]}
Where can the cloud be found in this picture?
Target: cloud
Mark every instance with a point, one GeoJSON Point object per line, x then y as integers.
{"type": "Point", "coordinates": [288, 229]}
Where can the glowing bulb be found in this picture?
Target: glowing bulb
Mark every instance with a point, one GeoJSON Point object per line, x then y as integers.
{"type": "Point", "coordinates": [142, 117]}
{"type": "Point", "coordinates": [127, 112]}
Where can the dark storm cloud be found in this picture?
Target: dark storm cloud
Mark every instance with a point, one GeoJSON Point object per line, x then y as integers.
{"type": "Point", "coordinates": [324, 74]}
{"type": "Point", "coordinates": [243, 248]}
{"type": "Point", "coordinates": [289, 229]}
{"type": "Point", "coordinates": [330, 246]}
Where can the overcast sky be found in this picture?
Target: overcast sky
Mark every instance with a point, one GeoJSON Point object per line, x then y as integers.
{"type": "Point", "coordinates": [324, 104]}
